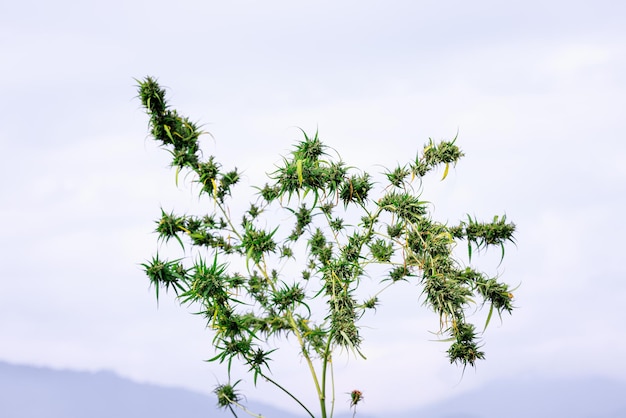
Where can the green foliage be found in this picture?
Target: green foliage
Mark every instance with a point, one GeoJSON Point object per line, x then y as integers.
{"type": "Point", "coordinates": [339, 228]}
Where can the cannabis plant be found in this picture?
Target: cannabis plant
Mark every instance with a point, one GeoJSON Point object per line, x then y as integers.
{"type": "Point", "coordinates": [258, 279]}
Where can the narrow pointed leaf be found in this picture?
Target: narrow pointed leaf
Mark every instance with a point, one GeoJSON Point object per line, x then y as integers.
{"type": "Point", "coordinates": [488, 317]}
{"type": "Point", "coordinates": [299, 170]}
{"type": "Point", "coordinates": [214, 188]}
{"type": "Point", "coordinates": [445, 172]}
{"type": "Point", "coordinates": [168, 132]}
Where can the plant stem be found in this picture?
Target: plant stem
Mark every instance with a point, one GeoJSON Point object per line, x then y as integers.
{"type": "Point", "coordinates": [327, 359]}
{"type": "Point", "coordinates": [288, 393]}
{"type": "Point", "coordinates": [296, 331]}
{"type": "Point", "coordinates": [309, 362]}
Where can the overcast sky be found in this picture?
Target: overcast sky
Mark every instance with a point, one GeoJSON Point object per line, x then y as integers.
{"type": "Point", "coordinates": [536, 90]}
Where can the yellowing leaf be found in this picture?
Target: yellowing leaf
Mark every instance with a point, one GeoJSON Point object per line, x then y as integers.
{"type": "Point", "coordinates": [167, 131]}
{"type": "Point", "coordinates": [214, 188]}
{"type": "Point", "coordinates": [299, 170]}
{"type": "Point", "coordinates": [445, 171]}
{"type": "Point", "coordinates": [184, 229]}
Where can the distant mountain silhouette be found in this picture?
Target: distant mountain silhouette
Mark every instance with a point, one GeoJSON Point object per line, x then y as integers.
{"type": "Point", "coordinates": [35, 392]}
{"type": "Point", "coordinates": [591, 397]}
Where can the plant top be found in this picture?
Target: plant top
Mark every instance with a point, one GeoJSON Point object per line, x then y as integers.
{"type": "Point", "coordinates": [340, 229]}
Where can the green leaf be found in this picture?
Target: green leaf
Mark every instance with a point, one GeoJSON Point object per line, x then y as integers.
{"type": "Point", "coordinates": [501, 255]}
{"type": "Point", "coordinates": [488, 317]}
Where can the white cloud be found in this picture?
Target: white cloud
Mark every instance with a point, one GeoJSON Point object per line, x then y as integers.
{"type": "Point", "coordinates": [575, 58]}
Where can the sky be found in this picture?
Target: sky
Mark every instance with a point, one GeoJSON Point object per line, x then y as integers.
{"type": "Point", "coordinates": [536, 91]}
